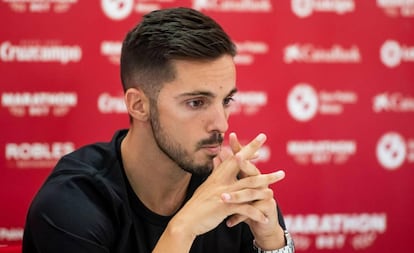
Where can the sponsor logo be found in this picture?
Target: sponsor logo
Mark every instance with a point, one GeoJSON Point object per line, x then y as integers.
{"type": "Point", "coordinates": [304, 102]}
{"type": "Point", "coordinates": [247, 50]}
{"type": "Point", "coordinates": [39, 104]}
{"type": "Point", "coordinates": [233, 5]}
{"type": "Point", "coordinates": [11, 234]}
{"type": "Point", "coordinates": [122, 9]}
{"type": "Point", "coordinates": [392, 53]}
{"type": "Point", "coordinates": [108, 104]}
{"type": "Point", "coordinates": [36, 52]}
{"type": "Point", "coordinates": [112, 50]}
{"type": "Point", "coordinates": [392, 102]}
{"type": "Point", "coordinates": [397, 8]}
{"type": "Point", "coordinates": [393, 150]}
{"type": "Point", "coordinates": [117, 9]}
{"type": "Point", "coordinates": [249, 102]}
{"type": "Point", "coordinates": [36, 154]}
{"type": "Point", "coordinates": [36, 6]}
{"type": "Point", "coordinates": [305, 8]}
{"type": "Point", "coordinates": [308, 53]}
{"type": "Point", "coordinates": [321, 151]}
{"type": "Point", "coordinates": [335, 231]}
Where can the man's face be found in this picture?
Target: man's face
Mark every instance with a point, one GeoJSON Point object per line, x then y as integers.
{"type": "Point", "coordinates": [191, 113]}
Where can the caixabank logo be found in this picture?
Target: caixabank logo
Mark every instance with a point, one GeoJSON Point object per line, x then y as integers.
{"type": "Point", "coordinates": [233, 5]}
{"type": "Point", "coordinates": [394, 150]}
{"type": "Point", "coordinates": [304, 102]}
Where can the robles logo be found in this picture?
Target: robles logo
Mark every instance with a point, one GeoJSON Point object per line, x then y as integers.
{"type": "Point", "coordinates": [303, 102]}
{"type": "Point", "coordinates": [36, 154]}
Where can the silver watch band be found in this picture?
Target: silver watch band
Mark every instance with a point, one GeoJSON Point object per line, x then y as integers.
{"type": "Point", "coordinates": [289, 248]}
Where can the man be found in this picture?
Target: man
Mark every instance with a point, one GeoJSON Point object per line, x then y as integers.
{"type": "Point", "coordinates": [164, 185]}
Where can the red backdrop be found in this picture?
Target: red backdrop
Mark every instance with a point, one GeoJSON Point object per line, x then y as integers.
{"type": "Point", "coordinates": [331, 82]}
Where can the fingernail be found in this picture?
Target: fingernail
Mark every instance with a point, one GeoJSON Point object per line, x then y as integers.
{"type": "Point", "coordinates": [279, 174]}
{"type": "Point", "coordinates": [225, 196]}
{"type": "Point", "coordinates": [261, 137]}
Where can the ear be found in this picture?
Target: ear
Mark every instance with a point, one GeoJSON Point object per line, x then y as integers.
{"type": "Point", "coordinates": [137, 104]}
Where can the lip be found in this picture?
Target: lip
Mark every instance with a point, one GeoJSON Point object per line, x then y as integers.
{"type": "Point", "coordinates": [212, 149]}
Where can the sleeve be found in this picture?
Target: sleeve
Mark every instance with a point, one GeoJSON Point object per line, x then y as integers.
{"type": "Point", "coordinates": [68, 215]}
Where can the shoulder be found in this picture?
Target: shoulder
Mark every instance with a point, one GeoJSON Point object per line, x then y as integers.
{"type": "Point", "coordinates": [82, 197]}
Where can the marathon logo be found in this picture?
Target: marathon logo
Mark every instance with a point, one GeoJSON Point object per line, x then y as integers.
{"type": "Point", "coordinates": [321, 151]}
{"type": "Point", "coordinates": [36, 6]}
{"type": "Point", "coordinates": [249, 102]}
{"type": "Point", "coordinates": [39, 53]}
{"type": "Point", "coordinates": [333, 231]}
{"type": "Point", "coordinates": [39, 104]}
{"type": "Point", "coordinates": [397, 8]}
{"type": "Point", "coordinates": [112, 50]}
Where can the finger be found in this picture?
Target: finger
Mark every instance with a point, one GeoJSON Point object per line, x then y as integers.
{"type": "Point", "coordinates": [235, 219]}
{"type": "Point", "coordinates": [246, 168]}
{"type": "Point", "coordinates": [263, 180]}
{"type": "Point", "coordinates": [236, 146]}
{"type": "Point", "coordinates": [250, 150]}
{"type": "Point", "coordinates": [247, 195]}
{"type": "Point", "coordinates": [234, 143]}
{"type": "Point", "coordinates": [248, 212]}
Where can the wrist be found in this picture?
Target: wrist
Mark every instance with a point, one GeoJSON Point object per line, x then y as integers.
{"type": "Point", "coordinates": [274, 240]}
{"type": "Point", "coordinates": [288, 247]}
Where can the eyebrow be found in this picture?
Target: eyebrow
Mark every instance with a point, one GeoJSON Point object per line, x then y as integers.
{"type": "Point", "coordinates": [204, 93]}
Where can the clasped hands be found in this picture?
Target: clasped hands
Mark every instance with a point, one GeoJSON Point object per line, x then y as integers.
{"type": "Point", "coordinates": [238, 192]}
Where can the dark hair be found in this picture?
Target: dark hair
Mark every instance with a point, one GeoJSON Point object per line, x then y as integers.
{"type": "Point", "coordinates": [165, 35]}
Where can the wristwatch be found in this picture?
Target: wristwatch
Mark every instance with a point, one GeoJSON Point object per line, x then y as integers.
{"type": "Point", "coordinates": [289, 248]}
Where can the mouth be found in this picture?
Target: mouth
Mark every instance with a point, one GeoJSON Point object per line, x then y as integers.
{"type": "Point", "coordinates": [212, 149]}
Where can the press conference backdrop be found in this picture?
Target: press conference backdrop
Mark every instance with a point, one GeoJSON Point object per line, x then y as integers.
{"type": "Point", "coordinates": [331, 83]}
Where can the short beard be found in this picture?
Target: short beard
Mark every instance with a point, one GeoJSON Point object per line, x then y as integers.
{"type": "Point", "coordinates": [175, 151]}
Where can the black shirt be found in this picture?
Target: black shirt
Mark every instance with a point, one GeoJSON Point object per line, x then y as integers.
{"type": "Point", "coordinates": [87, 205]}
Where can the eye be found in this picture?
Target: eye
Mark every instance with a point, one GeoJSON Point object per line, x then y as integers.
{"type": "Point", "coordinates": [228, 101]}
{"type": "Point", "coordinates": [196, 103]}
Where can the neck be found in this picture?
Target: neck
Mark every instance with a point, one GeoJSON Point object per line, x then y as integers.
{"type": "Point", "coordinates": [157, 181]}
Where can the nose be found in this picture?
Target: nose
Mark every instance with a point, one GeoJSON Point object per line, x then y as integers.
{"type": "Point", "coordinates": [218, 119]}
